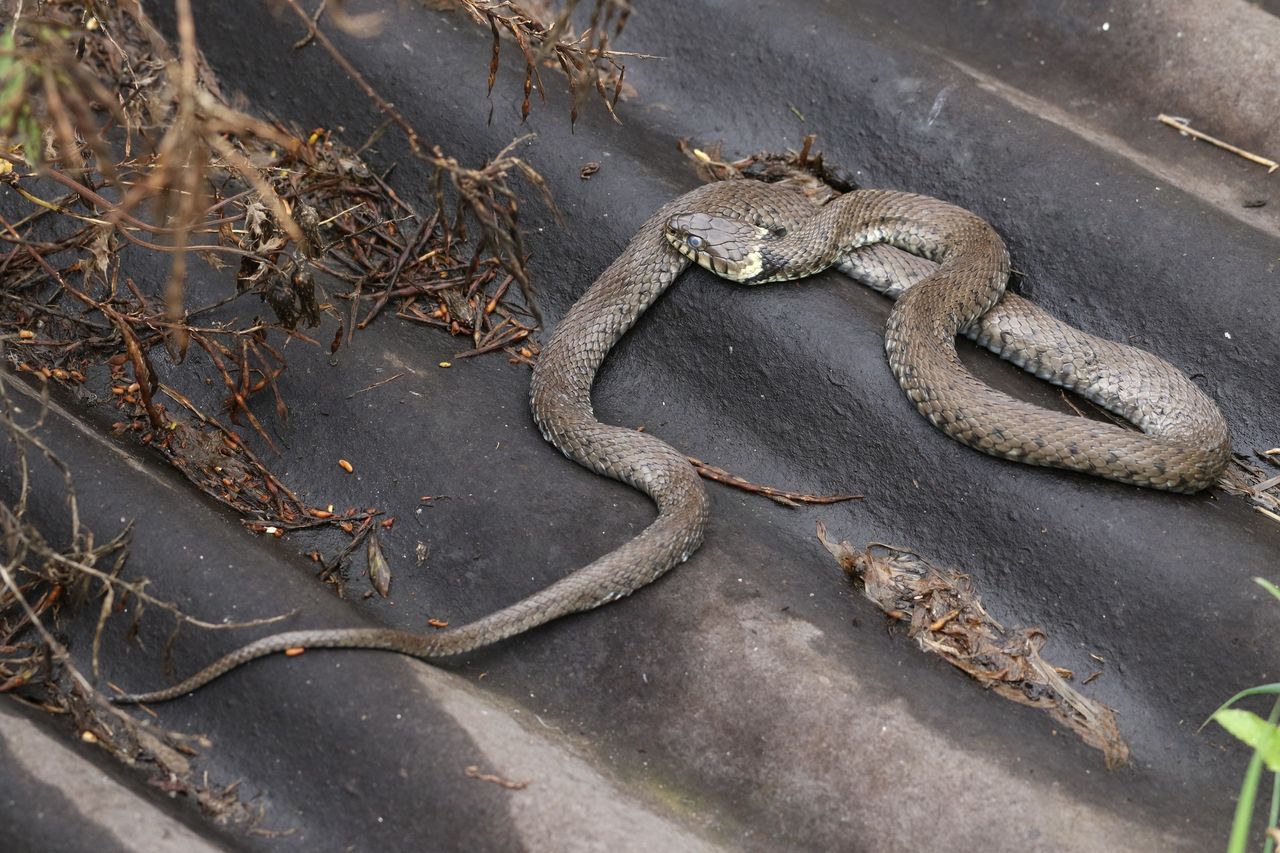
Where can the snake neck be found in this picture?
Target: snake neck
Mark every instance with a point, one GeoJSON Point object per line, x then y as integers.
{"type": "Point", "coordinates": [567, 367]}
{"type": "Point", "coordinates": [923, 226]}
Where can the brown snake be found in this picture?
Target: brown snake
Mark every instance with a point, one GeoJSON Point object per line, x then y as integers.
{"type": "Point", "coordinates": [1183, 447]}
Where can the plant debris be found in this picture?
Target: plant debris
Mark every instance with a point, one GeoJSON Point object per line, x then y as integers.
{"type": "Point", "coordinates": [805, 167]}
{"type": "Point", "coordinates": [792, 499]}
{"type": "Point", "coordinates": [131, 122]}
{"type": "Point", "coordinates": [117, 146]}
{"type": "Point", "coordinates": [1184, 127]}
{"type": "Point", "coordinates": [39, 579]}
{"type": "Point", "coordinates": [946, 617]}
{"type": "Point", "coordinates": [1256, 478]}
{"type": "Point", "coordinates": [473, 772]}
{"type": "Point", "coordinates": [379, 568]}
{"type": "Point", "coordinates": [547, 37]}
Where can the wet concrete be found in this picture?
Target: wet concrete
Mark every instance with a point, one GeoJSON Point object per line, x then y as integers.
{"type": "Point", "coordinates": [752, 697]}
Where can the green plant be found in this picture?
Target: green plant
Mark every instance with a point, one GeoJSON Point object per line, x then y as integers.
{"type": "Point", "coordinates": [17, 124]}
{"type": "Point", "coordinates": [1264, 737]}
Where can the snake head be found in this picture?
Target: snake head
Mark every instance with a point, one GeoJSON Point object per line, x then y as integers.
{"type": "Point", "coordinates": [731, 248]}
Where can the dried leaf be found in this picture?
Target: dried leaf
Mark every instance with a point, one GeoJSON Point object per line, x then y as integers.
{"type": "Point", "coordinates": [379, 568]}
{"type": "Point", "coordinates": [946, 617]}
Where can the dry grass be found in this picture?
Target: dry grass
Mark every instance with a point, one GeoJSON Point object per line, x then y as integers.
{"type": "Point", "coordinates": [1257, 479]}
{"type": "Point", "coordinates": [547, 36]}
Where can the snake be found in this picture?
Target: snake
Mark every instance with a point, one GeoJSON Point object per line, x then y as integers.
{"type": "Point", "coordinates": [952, 283]}
{"type": "Point", "coordinates": [946, 268]}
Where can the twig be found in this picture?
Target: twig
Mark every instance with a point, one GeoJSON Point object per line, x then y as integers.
{"type": "Point", "coordinates": [316, 34]}
{"type": "Point", "coordinates": [423, 232]}
{"type": "Point", "coordinates": [1182, 126]}
{"type": "Point", "coordinates": [1266, 484]}
{"type": "Point", "coordinates": [785, 498]}
{"type": "Point", "coordinates": [375, 385]}
{"type": "Point", "coordinates": [473, 772]}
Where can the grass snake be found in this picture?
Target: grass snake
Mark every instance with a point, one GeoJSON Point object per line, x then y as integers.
{"type": "Point", "coordinates": [757, 232]}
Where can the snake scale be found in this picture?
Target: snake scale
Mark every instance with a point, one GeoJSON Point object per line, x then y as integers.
{"type": "Point", "coordinates": [758, 232]}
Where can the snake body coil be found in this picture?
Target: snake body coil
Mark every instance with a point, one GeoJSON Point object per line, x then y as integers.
{"type": "Point", "coordinates": [1183, 444]}
{"type": "Point", "coordinates": [938, 302]}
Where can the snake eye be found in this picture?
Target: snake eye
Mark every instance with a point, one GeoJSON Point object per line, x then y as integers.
{"type": "Point", "coordinates": [693, 241]}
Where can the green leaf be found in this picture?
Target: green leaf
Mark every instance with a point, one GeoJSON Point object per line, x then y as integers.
{"type": "Point", "coordinates": [32, 143]}
{"type": "Point", "coordinates": [1240, 824]}
{"type": "Point", "coordinates": [1239, 840]}
{"type": "Point", "coordinates": [1268, 586]}
{"type": "Point", "coordinates": [1254, 731]}
{"type": "Point", "coordinates": [13, 81]}
{"type": "Point", "coordinates": [1260, 690]}
{"type": "Point", "coordinates": [1270, 843]}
